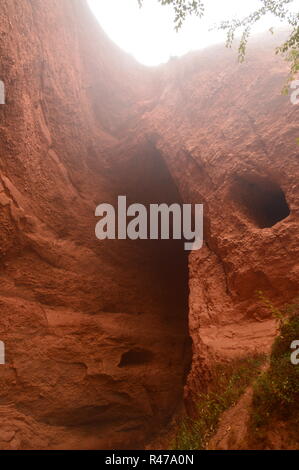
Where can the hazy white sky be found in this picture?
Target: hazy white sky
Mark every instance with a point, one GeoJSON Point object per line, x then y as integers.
{"type": "Point", "coordinates": [148, 33]}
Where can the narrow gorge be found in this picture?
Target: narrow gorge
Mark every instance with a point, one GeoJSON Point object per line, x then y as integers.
{"type": "Point", "coordinates": [108, 342]}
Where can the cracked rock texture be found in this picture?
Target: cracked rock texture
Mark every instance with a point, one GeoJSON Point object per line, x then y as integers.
{"type": "Point", "coordinates": [96, 336]}
{"type": "Point", "coordinates": [228, 136]}
{"type": "Point", "coordinates": [96, 333]}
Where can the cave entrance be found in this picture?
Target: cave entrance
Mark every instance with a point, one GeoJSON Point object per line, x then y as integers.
{"type": "Point", "coordinates": [160, 353]}
{"type": "Point", "coordinates": [263, 200]}
{"type": "Point", "coordinates": [145, 179]}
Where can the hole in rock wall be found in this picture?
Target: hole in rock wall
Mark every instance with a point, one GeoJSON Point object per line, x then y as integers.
{"type": "Point", "coordinates": [135, 357]}
{"type": "Point", "coordinates": [262, 200]}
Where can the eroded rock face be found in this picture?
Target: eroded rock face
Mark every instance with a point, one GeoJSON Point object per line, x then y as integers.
{"type": "Point", "coordinates": [228, 136]}
{"type": "Point", "coordinates": [96, 333]}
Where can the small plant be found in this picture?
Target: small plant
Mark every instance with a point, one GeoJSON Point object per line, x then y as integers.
{"type": "Point", "coordinates": [275, 312]}
{"type": "Point", "coordinates": [276, 392]}
{"type": "Point", "coordinates": [280, 314]}
{"type": "Point", "coordinates": [228, 383]}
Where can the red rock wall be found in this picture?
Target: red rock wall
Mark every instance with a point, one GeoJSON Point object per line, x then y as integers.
{"type": "Point", "coordinates": [228, 135]}
{"type": "Point", "coordinates": [96, 333]}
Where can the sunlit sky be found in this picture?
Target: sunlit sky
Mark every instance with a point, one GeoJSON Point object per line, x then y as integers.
{"type": "Point", "coordinates": [148, 33]}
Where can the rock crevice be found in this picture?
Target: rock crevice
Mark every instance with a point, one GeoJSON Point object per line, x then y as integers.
{"type": "Point", "coordinates": [97, 334]}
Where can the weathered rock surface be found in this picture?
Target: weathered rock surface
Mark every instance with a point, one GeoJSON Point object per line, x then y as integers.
{"type": "Point", "coordinates": [228, 136]}
{"type": "Point", "coordinates": [96, 333]}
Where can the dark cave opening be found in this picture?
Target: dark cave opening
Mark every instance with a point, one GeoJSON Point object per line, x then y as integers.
{"type": "Point", "coordinates": [158, 299]}
{"type": "Point", "coordinates": [135, 356]}
{"type": "Point", "coordinates": [263, 200]}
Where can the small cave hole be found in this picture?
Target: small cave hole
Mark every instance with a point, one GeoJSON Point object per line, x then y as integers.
{"type": "Point", "coordinates": [263, 200]}
{"type": "Point", "coordinates": [135, 357]}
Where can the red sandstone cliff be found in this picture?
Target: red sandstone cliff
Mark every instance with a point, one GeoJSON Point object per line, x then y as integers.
{"type": "Point", "coordinates": [234, 135]}
{"type": "Point", "coordinates": [96, 333]}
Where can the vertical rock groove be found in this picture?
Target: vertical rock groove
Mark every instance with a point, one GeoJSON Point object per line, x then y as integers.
{"type": "Point", "coordinates": [97, 334]}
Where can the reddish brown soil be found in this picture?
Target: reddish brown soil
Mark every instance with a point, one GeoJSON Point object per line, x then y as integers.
{"type": "Point", "coordinates": [96, 333]}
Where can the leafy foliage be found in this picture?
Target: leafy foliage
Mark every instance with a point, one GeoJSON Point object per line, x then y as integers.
{"type": "Point", "coordinates": [182, 9]}
{"type": "Point", "coordinates": [228, 383]}
{"type": "Point", "coordinates": [280, 314]}
{"type": "Point", "coordinates": [278, 8]}
{"type": "Point", "coordinates": [276, 392]}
